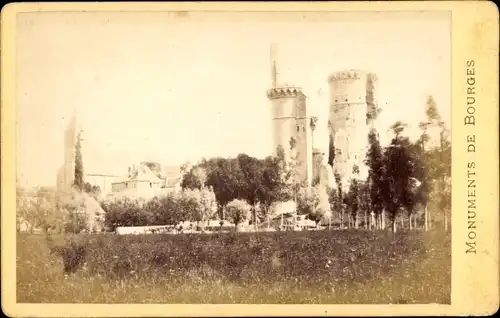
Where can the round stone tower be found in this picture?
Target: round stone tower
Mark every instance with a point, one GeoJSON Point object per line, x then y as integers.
{"type": "Point", "coordinates": [371, 99]}
{"type": "Point", "coordinates": [292, 129]}
{"type": "Point", "coordinates": [352, 110]}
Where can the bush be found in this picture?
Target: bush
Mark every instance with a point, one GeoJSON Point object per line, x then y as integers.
{"type": "Point", "coordinates": [237, 211]}
{"type": "Point", "coordinates": [313, 202]}
{"type": "Point", "coordinates": [309, 258]}
{"type": "Point", "coordinates": [188, 205]}
{"type": "Point", "coordinates": [269, 268]}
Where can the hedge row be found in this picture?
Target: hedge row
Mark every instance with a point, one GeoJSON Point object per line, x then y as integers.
{"type": "Point", "coordinates": [314, 257]}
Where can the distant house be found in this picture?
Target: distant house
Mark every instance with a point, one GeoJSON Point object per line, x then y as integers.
{"type": "Point", "coordinates": [146, 180]}
{"type": "Point", "coordinates": [173, 184]}
{"type": "Point", "coordinates": [140, 178]}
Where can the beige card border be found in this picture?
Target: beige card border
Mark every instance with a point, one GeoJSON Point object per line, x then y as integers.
{"type": "Point", "coordinates": [475, 277]}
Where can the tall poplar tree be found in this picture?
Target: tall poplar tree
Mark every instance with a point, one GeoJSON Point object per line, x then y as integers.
{"type": "Point", "coordinates": [399, 175]}
{"type": "Point", "coordinates": [78, 183]}
{"type": "Point", "coordinates": [340, 199]}
{"type": "Point", "coordinates": [331, 151]}
{"type": "Point", "coordinates": [437, 161]}
{"type": "Point", "coordinates": [374, 161]}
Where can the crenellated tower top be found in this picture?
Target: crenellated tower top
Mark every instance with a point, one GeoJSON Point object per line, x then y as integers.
{"type": "Point", "coordinates": [285, 92]}
{"type": "Point", "coordinates": [347, 75]}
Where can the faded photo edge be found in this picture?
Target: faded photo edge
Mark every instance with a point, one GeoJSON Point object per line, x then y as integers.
{"type": "Point", "coordinates": [475, 286]}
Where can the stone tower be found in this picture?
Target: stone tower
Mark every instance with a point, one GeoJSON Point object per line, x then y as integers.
{"type": "Point", "coordinates": [291, 122]}
{"type": "Point", "coordinates": [353, 109]}
{"type": "Point", "coordinates": [66, 175]}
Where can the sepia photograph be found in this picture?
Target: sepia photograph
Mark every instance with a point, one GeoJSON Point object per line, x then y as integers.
{"type": "Point", "coordinates": [200, 159]}
{"type": "Point", "coordinates": [244, 157]}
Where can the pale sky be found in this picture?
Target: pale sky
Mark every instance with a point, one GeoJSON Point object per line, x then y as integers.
{"type": "Point", "coordinates": [158, 86]}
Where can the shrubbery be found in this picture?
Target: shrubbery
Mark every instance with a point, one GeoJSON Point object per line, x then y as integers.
{"type": "Point", "coordinates": [318, 258]}
{"type": "Point", "coordinates": [237, 211]}
{"type": "Point", "coordinates": [46, 211]}
{"type": "Point", "coordinates": [198, 205]}
{"type": "Point", "coordinates": [314, 203]}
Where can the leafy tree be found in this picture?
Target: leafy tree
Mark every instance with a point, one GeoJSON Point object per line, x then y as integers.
{"type": "Point", "coordinates": [226, 179]}
{"type": "Point", "coordinates": [313, 201]}
{"type": "Point", "coordinates": [444, 171]}
{"type": "Point", "coordinates": [78, 183]}
{"type": "Point", "coordinates": [290, 182]}
{"type": "Point", "coordinates": [257, 181]}
{"type": "Point", "coordinates": [189, 206]}
{"type": "Point", "coordinates": [340, 199]}
{"type": "Point", "coordinates": [271, 185]}
{"type": "Point", "coordinates": [155, 167]}
{"type": "Point", "coordinates": [334, 200]}
{"type": "Point", "coordinates": [44, 211]}
{"type": "Point", "coordinates": [124, 212]}
{"type": "Point", "coordinates": [399, 167]}
{"type": "Point", "coordinates": [195, 178]}
{"type": "Point", "coordinates": [352, 199]}
{"type": "Point", "coordinates": [208, 203]}
{"type": "Point", "coordinates": [420, 183]}
{"type": "Point", "coordinates": [201, 204]}
{"type": "Point", "coordinates": [431, 111]}
{"type": "Point", "coordinates": [398, 127]}
{"type": "Point", "coordinates": [422, 142]}
{"type": "Point", "coordinates": [365, 201]}
{"type": "Point", "coordinates": [237, 212]}
{"type": "Point", "coordinates": [252, 171]}
{"type": "Point", "coordinates": [437, 163]}
{"type": "Point", "coordinates": [92, 190]}
{"type": "Point", "coordinates": [154, 209]}
{"type": "Point", "coordinates": [374, 161]}
{"type": "Point", "coordinates": [168, 210]}
{"type": "Point", "coordinates": [185, 167]}
{"type": "Point", "coordinates": [77, 220]}
{"type": "Point", "coordinates": [287, 175]}
{"type": "Point", "coordinates": [307, 201]}
{"type": "Point", "coordinates": [23, 210]}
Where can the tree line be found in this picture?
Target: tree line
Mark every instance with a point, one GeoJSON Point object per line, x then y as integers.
{"type": "Point", "coordinates": [406, 179]}
{"type": "Point", "coordinates": [46, 209]}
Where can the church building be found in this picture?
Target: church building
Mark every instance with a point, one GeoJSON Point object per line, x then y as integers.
{"type": "Point", "coordinates": [146, 179]}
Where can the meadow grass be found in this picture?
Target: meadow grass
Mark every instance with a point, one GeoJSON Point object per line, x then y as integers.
{"type": "Point", "coordinates": [318, 267]}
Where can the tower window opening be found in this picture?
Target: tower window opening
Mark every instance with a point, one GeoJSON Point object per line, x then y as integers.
{"type": "Point", "coordinates": [303, 128]}
{"type": "Point", "coordinates": [298, 128]}
{"type": "Point", "coordinates": [346, 99]}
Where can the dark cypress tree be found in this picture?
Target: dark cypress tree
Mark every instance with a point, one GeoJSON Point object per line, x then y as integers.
{"type": "Point", "coordinates": [78, 183]}
{"type": "Point", "coordinates": [331, 152]}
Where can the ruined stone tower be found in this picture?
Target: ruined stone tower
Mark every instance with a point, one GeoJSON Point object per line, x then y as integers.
{"type": "Point", "coordinates": [291, 122]}
{"type": "Point", "coordinates": [353, 109]}
{"type": "Point", "coordinates": [66, 174]}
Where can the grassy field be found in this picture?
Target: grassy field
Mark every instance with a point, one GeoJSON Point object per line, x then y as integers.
{"type": "Point", "coordinates": [329, 267]}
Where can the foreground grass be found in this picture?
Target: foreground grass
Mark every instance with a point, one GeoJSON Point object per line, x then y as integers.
{"type": "Point", "coordinates": [339, 267]}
